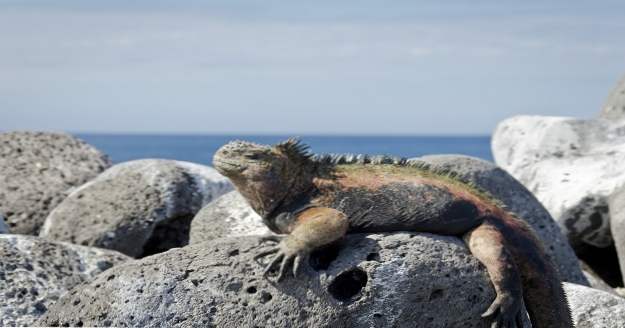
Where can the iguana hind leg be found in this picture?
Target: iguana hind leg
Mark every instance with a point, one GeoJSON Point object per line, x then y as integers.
{"type": "Point", "coordinates": [313, 228]}
{"type": "Point", "coordinates": [487, 244]}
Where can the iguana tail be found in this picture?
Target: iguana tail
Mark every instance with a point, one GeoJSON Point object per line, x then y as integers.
{"type": "Point", "coordinates": [543, 294]}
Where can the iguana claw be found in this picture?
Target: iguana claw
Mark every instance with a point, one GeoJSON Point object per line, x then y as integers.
{"type": "Point", "coordinates": [505, 312]}
{"type": "Point", "coordinates": [283, 261]}
{"type": "Point", "coordinates": [265, 253]}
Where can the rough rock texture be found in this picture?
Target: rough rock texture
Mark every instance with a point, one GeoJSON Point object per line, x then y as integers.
{"type": "Point", "coordinates": [37, 171]}
{"type": "Point", "coordinates": [571, 165]}
{"type": "Point", "coordinates": [395, 280]}
{"type": "Point", "coordinates": [614, 108]}
{"type": "Point", "coordinates": [34, 273]}
{"type": "Point", "coordinates": [229, 215]}
{"type": "Point", "coordinates": [138, 208]}
{"type": "Point", "coordinates": [3, 226]}
{"type": "Point", "coordinates": [592, 308]}
{"type": "Point", "coordinates": [617, 224]}
{"type": "Point", "coordinates": [519, 200]}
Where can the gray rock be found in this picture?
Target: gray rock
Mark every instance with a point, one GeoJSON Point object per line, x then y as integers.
{"type": "Point", "coordinates": [617, 225]}
{"type": "Point", "coordinates": [614, 108]}
{"type": "Point", "coordinates": [37, 171]}
{"type": "Point", "coordinates": [228, 216]}
{"type": "Point", "coordinates": [519, 200]}
{"type": "Point", "coordinates": [571, 165]}
{"type": "Point", "coordinates": [3, 226]}
{"type": "Point", "coordinates": [34, 273]}
{"type": "Point", "coordinates": [574, 167]}
{"type": "Point", "coordinates": [138, 208]}
{"type": "Point", "coordinates": [394, 280]}
{"type": "Point", "coordinates": [592, 308]}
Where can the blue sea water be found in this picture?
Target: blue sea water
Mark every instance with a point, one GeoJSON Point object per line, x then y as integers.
{"type": "Point", "coordinates": [200, 148]}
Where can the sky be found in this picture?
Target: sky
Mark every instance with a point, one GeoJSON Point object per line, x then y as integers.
{"type": "Point", "coordinates": [292, 67]}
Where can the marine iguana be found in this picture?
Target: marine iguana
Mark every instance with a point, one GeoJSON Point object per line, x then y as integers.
{"type": "Point", "coordinates": [316, 200]}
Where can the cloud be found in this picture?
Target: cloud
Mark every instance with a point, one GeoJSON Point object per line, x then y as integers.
{"type": "Point", "coordinates": [258, 61]}
{"type": "Point", "coordinates": [69, 39]}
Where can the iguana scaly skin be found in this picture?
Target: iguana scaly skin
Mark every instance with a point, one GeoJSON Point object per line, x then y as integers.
{"type": "Point", "coordinates": [316, 200]}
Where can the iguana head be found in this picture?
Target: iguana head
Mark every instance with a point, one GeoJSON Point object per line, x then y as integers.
{"type": "Point", "coordinates": [265, 175]}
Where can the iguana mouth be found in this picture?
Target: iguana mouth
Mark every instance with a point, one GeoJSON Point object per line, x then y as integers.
{"type": "Point", "coordinates": [226, 167]}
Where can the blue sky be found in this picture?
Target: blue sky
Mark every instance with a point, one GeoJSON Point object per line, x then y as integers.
{"type": "Point", "coordinates": [340, 67]}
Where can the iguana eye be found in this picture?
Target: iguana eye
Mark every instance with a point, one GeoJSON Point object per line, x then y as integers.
{"type": "Point", "coordinates": [253, 156]}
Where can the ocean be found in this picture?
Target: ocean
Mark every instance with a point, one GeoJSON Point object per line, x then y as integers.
{"type": "Point", "coordinates": [200, 148]}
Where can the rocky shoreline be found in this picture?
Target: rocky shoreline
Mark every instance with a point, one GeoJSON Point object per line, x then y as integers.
{"type": "Point", "coordinates": [155, 243]}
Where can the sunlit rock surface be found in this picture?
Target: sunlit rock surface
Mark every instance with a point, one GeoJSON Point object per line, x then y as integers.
{"type": "Point", "coordinates": [37, 171]}
{"type": "Point", "coordinates": [138, 208]}
{"type": "Point", "coordinates": [35, 272]}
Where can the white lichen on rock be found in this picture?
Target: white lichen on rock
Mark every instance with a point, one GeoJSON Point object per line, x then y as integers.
{"type": "Point", "coordinates": [571, 165]}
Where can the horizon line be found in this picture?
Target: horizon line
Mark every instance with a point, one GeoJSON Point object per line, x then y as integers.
{"type": "Point", "coordinates": [281, 134]}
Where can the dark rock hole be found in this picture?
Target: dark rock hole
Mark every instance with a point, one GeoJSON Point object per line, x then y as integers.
{"type": "Point", "coordinates": [265, 297]}
{"type": "Point", "coordinates": [374, 256]}
{"type": "Point", "coordinates": [251, 290]}
{"type": "Point", "coordinates": [168, 234]}
{"type": "Point", "coordinates": [603, 261]}
{"type": "Point", "coordinates": [348, 284]}
{"type": "Point", "coordinates": [436, 294]}
{"type": "Point", "coordinates": [40, 308]}
{"type": "Point", "coordinates": [321, 258]}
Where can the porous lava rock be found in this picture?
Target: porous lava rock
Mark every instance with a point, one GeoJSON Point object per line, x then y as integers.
{"type": "Point", "coordinates": [35, 272]}
{"type": "Point", "coordinates": [38, 170]}
{"type": "Point", "coordinates": [139, 208]}
{"type": "Point", "coordinates": [376, 280]}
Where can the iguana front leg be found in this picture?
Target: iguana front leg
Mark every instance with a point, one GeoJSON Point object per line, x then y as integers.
{"type": "Point", "coordinates": [313, 228]}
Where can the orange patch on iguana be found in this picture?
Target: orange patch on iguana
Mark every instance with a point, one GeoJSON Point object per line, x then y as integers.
{"type": "Point", "coordinates": [311, 213]}
{"type": "Point", "coordinates": [323, 218]}
{"type": "Point", "coordinates": [372, 177]}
